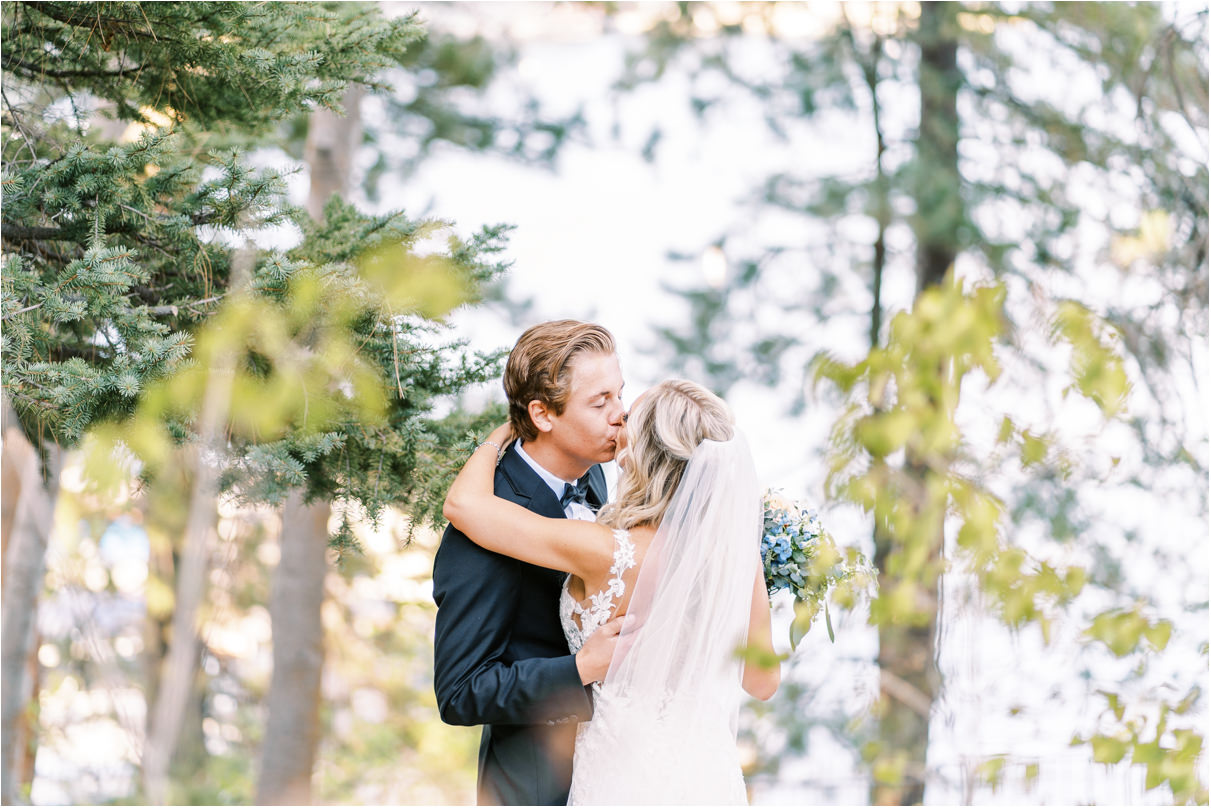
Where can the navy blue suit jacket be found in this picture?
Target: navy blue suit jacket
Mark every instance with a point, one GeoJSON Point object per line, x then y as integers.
{"type": "Point", "coordinates": [500, 657]}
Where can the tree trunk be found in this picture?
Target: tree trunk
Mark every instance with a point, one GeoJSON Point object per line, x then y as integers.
{"type": "Point", "coordinates": [165, 518]}
{"type": "Point", "coordinates": [24, 566]}
{"type": "Point", "coordinates": [292, 733]}
{"type": "Point", "coordinates": [908, 685]}
{"type": "Point", "coordinates": [909, 677]}
{"type": "Point", "coordinates": [23, 739]}
{"type": "Point", "coordinates": [869, 63]}
{"type": "Point", "coordinates": [179, 677]}
{"type": "Point", "coordinates": [939, 199]}
{"type": "Point", "coordinates": [332, 142]}
{"type": "Point", "coordinates": [10, 490]}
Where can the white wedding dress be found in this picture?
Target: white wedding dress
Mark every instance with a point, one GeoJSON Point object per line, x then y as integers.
{"type": "Point", "coordinates": [664, 719]}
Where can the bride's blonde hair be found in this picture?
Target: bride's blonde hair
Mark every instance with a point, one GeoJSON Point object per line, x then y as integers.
{"type": "Point", "coordinates": [663, 430]}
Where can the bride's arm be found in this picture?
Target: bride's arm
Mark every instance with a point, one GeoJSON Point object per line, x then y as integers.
{"type": "Point", "coordinates": [759, 680]}
{"type": "Point", "coordinates": [585, 549]}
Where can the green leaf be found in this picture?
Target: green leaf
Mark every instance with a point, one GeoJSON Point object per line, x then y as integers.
{"type": "Point", "coordinates": [1120, 631]}
{"type": "Point", "coordinates": [992, 771]}
{"type": "Point", "coordinates": [1149, 753]}
{"type": "Point", "coordinates": [758, 656]}
{"type": "Point", "coordinates": [1107, 749]}
{"type": "Point", "coordinates": [1034, 449]}
{"type": "Point", "coordinates": [889, 769]}
{"type": "Point", "coordinates": [1112, 701]}
{"type": "Point", "coordinates": [1158, 634]}
{"type": "Point", "coordinates": [885, 433]}
{"type": "Point", "coordinates": [805, 613]}
{"type": "Point", "coordinates": [1006, 431]}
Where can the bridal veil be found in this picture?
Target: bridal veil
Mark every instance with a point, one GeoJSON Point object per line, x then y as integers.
{"type": "Point", "coordinates": [664, 726]}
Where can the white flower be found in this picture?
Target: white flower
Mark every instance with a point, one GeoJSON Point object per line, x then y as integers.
{"type": "Point", "coordinates": [775, 501]}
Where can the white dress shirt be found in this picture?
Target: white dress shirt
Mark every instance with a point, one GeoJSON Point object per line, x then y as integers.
{"type": "Point", "coordinates": [574, 509]}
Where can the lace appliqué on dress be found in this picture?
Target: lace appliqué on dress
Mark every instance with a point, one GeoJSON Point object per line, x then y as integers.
{"type": "Point", "coordinates": [601, 604]}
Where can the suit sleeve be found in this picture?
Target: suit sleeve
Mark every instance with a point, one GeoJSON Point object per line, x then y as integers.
{"type": "Point", "coordinates": [476, 593]}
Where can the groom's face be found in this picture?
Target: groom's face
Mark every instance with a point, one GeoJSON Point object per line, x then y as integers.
{"type": "Point", "coordinates": [588, 429]}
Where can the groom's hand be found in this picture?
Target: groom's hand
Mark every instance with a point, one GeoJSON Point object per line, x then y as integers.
{"type": "Point", "coordinates": [593, 659]}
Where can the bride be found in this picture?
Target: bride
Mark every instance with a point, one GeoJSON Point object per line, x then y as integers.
{"type": "Point", "coordinates": [677, 553]}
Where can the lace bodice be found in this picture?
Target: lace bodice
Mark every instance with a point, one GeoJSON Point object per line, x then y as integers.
{"type": "Point", "coordinates": [601, 604]}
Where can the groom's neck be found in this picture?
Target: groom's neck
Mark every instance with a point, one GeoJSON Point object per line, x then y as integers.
{"type": "Point", "coordinates": [553, 459]}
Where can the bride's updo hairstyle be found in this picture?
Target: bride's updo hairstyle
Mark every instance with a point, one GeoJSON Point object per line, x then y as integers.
{"type": "Point", "coordinates": [663, 430]}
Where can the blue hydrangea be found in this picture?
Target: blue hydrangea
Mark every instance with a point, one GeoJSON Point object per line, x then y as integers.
{"type": "Point", "coordinates": [788, 544]}
{"type": "Point", "coordinates": [782, 547]}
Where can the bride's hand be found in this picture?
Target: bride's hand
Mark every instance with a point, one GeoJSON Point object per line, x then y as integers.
{"type": "Point", "coordinates": [473, 485]}
{"type": "Point", "coordinates": [501, 436]}
{"type": "Point", "coordinates": [593, 659]}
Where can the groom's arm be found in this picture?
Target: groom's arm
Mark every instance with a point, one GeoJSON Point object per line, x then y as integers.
{"type": "Point", "coordinates": [477, 595]}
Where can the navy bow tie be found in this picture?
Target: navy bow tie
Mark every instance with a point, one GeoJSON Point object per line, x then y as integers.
{"type": "Point", "coordinates": [575, 492]}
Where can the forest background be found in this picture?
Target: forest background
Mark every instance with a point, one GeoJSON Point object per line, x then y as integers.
{"type": "Point", "coordinates": [948, 262]}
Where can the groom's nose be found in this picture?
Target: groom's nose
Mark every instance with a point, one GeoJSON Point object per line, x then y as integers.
{"type": "Point", "coordinates": [616, 414]}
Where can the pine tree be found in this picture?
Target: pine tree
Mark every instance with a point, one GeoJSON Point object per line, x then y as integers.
{"type": "Point", "coordinates": [292, 724]}
{"type": "Point", "coordinates": [118, 287]}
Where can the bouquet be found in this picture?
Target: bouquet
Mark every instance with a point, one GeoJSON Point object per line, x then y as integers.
{"type": "Point", "coordinates": [798, 555]}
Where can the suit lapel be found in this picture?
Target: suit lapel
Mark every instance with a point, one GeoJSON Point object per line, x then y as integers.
{"type": "Point", "coordinates": [531, 491]}
{"type": "Point", "coordinates": [536, 495]}
{"type": "Point", "coordinates": [598, 492]}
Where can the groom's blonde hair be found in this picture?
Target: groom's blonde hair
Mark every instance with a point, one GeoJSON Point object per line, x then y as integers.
{"type": "Point", "coordinates": [537, 369]}
{"type": "Point", "coordinates": [663, 429]}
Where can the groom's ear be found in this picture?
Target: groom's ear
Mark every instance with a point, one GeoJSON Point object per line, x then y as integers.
{"type": "Point", "coordinates": [540, 415]}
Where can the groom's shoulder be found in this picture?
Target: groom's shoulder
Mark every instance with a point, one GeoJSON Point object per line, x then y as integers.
{"type": "Point", "coordinates": [515, 480]}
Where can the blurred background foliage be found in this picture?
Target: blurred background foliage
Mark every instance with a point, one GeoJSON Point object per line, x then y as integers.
{"type": "Point", "coordinates": [142, 318]}
{"type": "Point", "coordinates": [229, 420]}
{"type": "Point", "coordinates": [1080, 206]}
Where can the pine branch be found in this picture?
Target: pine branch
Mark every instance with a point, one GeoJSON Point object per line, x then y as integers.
{"type": "Point", "coordinates": [22, 311]}
{"type": "Point", "coordinates": [175, 309]}
{"type": "Point", "coordinates": [53, 11]}
{"type": "Point", "coordinates": [37, 71]}
{"type": "Point", "coordinates": [17, 125]}
{"type": "Point", "coordinates": [61, 353]}
{"type": "Point", "coordinates": [17, 232]}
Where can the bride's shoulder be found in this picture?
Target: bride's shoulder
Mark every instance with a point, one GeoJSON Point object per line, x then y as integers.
{"type": "Point", "coordinates": [642, 533]}
{"type": "Point", "coordinates": [639, 537]}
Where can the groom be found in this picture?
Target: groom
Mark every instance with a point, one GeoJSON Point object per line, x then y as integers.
{"type": "Point", "coordinates": [500, 657]}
